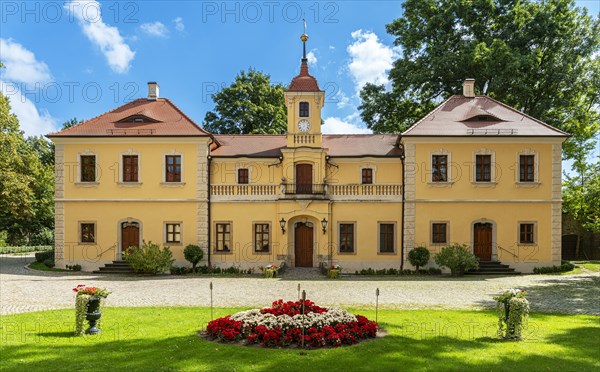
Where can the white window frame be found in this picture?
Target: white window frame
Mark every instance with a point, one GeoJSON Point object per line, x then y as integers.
{"type": "Point", "coordinates": [254, 223]}
{"type": "Point", "coordinates": [214, 233]}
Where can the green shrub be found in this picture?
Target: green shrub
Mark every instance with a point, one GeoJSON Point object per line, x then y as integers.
{"type": "Point", "coordinates": [43, 256]}
{"type": "Point", "coordinates": [3, 238]}
{"type": "Point", "coordinates": [418, 257]}
{"type": "Point", "coordinates": [149, 258]}
{"type": "Point", "coordinates": [25, 249]}
{"type": "Point", "coordinates": [75, 267]}
{"type": "Point", "coordinates": [193, 254]}
{"type": "Point", "coordinates": [564, 267]}
{"type": "Point", "coordinates": [434, 271]}
{"type": "Point", "coordinates": [179, 270]}
{"type": "Point", "coordinates": [49, 262]}
{"type": "Point", "coordinates": [44, 236]}
{"type": "Point", "coordinates": [457, 258]}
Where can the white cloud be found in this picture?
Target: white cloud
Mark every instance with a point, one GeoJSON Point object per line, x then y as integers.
{"type": "Point", "coordinates": [155, 29]}
{"type": "Point", "coordinates": [342, 99]}
{"type": "Point", "coordinates": [335, 125]}
{"type": "Point", "coordinates": [370, 60]}
{"type": "Point", "coordinates": [331, 48]}
{"type": "Point", "coordinates": [107, 38]}
{"type": "Point", "coordinates": [21, 65]}
{"type": "Point", "coordinates": [312, 58]}
{"type": "Point", "coordinates": [179, 26]}
{"type": "Point", "coordinates": [31, 121]}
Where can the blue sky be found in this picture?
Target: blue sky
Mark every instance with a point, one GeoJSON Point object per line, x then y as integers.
{"type": "Point", "coordinates": [83, 58]}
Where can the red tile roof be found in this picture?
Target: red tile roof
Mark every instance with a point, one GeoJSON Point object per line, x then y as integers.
{"type": "Point", "coordinates": [166, 119]}
{"type": "Point", "coordinates": [458, 116]}
{"type": "Point", "coordinates": [336, 144]}
{"type": "Point", "coordinates": [304, 82]}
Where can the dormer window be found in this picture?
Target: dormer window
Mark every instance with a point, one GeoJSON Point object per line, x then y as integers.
{"type": "Point", "coordinates": [138, 119]}
{"type": "Point", "coordinates": [478, 118]}
{"type": "Point", "coordinates": [304, 109]}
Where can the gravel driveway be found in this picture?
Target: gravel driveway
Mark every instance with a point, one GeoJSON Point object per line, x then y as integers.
{"type": "Point", "coordinates": [23, 290]}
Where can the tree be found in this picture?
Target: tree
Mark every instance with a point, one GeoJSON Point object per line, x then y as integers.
{"type": "Point", "coordinates": [250, 105]}
{"type": "Point", "coordinates": [581, 199]}
{"type": "Point", "coordinates": [193, 254]}
{"type": "Point", "coordinates": [539, 57]}
{"type": "Point", "coordinates": [26, 183]}
{"type": "Point", "coordinates": [71, 122]}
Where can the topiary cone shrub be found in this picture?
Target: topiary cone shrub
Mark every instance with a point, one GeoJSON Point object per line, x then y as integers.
{"type": "Point", "coordinates": [458, 258]}
{"type": "Point", "coordinates": [193, 254]}
{"type": "Point", "coordinates": [418, 257]}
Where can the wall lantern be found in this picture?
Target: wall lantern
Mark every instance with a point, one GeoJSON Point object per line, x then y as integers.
{"type": "Point", "coordinates": [324, 225]}
{"type": "Point", "coordinates": [282, 224]}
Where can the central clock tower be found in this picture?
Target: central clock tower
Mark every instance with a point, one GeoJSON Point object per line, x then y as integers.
{"type": "Point", "coordinates": [304, 101]}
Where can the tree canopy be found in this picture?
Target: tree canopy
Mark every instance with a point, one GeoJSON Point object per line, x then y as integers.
{"type": "Point", "coordinates": [539, 57]}
{"type": "Point", "coordinates": [250, 105]}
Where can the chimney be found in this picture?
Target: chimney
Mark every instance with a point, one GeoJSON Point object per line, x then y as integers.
{"type": "Point", "coordinates": [153, 91]}
{"type": "Point", "coordinates": [469, 88]}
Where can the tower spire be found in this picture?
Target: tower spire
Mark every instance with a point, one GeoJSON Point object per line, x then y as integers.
{"type": "Point", "coordinates": [304, 39]}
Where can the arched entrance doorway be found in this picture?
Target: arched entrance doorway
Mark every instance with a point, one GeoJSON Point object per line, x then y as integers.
{"type": "Point", "coordinates": [483, 240]}
{"type": "Point", "coordinates": [130, 233]}
{"type": "Point", "coordinates": [303, 244]}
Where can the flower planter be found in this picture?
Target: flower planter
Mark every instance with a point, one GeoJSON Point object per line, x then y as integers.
{"type": "Point", "coordinates": [513, 312]}
{"type": "Point", "coordinates": [93, 315]}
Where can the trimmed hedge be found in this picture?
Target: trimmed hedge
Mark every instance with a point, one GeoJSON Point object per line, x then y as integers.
{"type": "Point", "coordinates": [564, 267]}
{"type": "Point", "coordinates": [44, 256]}
{"type": "Point", "coordinates": [25, 249]}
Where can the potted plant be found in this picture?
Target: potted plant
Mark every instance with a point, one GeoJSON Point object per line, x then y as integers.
{"type": "Point", "coordinates": [513, 313]}
{"type": "Point", "coordinates": [88, 301]}
{"type": "Point", "coordinates": [418, 257]}
{"type": "Point", "coordinates": [271, 271]}
{"type": "Point", "coordinates": [334, 271]}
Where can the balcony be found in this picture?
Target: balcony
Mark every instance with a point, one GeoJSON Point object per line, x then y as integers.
{"type": "Point", "coordinates": [336, 192]}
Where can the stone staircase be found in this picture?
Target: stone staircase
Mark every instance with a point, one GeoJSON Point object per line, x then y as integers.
{"type": "Point", "coordinates": [116, 267]}
{"type": "Point", "coordinates": [493, 268]}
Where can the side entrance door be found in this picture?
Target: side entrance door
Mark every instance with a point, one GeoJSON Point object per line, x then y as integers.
{"type": "Point", "coordinates": [303, 179]}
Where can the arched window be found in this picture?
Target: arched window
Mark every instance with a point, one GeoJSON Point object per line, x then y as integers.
{"type": "Point", "coordinates": [304, 109]}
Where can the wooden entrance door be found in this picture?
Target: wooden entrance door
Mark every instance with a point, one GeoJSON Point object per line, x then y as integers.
{"type": "Point", "coordinates": [482, 241]}
{"type": "Point", "coordinates": [303, 179]}
{"type": "Point", "coordinates": [303, 244]}
{"type": "Point", "coordinates": [130, 235]}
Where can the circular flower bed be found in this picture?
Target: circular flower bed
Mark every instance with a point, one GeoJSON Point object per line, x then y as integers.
{"type": "Point", "coordinates": [283, 324]}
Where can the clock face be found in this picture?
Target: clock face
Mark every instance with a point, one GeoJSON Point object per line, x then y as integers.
{"type": "Point", "coordinates": [304, 125]}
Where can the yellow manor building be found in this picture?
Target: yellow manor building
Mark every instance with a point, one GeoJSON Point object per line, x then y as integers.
{"type": "Point", "coordinates": [474, 171]}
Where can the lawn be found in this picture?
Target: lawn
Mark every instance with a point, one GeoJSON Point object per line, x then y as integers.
{"type": "Point", "coordinates": [591, 265]}
{"type": "Point", "coordinates": [166, 339]}
{"type": "Point", "coordinates": [40, 266]}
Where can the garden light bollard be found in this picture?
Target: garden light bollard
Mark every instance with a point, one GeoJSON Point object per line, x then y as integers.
{"type": "Point", "coordinates": [376, 305]}
{"type": "Point", "coordinates": [211, 301]}
{"type": "Point", "coordinates": [298, 290]}
{"type": "Point", "coordinates": [303, 300]}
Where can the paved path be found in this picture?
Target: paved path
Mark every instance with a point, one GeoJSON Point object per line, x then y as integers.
{"type": "Point", "coordinates": [23, 290]}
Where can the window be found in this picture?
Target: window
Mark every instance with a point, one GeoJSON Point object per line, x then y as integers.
{"type": "Point", "coordinates": [173, 233]}
{"type": "Point", "coordinates": [483, 168]}
{"type": "Point", "coordinates": [304, 109]}
{"type": "Point", "coordinates": [439, 232]}
{"type": "Point", "coordinates": [346, 238]}
{"type": "Point", "coordinates": [243, 176]}
{"type": "Point", "coordinates": [367, 176]}
{"type": "Point", "coordinates": [173, 168]}
{"type": "Point", "coordinates": [261, 237]}
{"type": "Point", "coordinates": [526, 233]}
{"type": "Point", "coordinates": [87, 232]}
{"type": "Point", "coordinates": [439, 168]}
{"type": "Point", "coordinates": [130, 168]}
{"type": "Point", "coordinates": [223, 232]}
{"type": "Point", "coordinates": [88, 168]}
{"type": "Point", "coordinates": [386, 238]}
{"type": "Point", "coordinates": [527, 168]}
